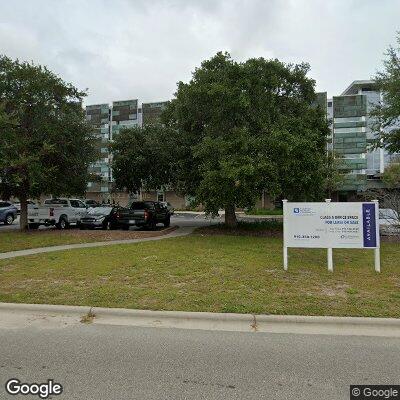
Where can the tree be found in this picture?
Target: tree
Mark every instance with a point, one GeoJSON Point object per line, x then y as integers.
{"type": "Point", "coordinates": [391, 176]}
{"type": "Point", "coordinates": [45, 143]}
{"type": "Point", "coordinates": [334, 173]}
{"type": "Point", "coordinates": [244, 128]}
{"type": "Point", "coordinates": [387, 113]}
{"type": "Point", "coordinates": [143, 157]}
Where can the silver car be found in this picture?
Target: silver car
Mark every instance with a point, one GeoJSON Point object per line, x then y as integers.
{"type": "Point", "coordinates": [8, 212]}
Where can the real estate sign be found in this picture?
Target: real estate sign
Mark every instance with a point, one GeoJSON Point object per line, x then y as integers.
{"type": "Point", "coordinates": [331, 225]}
{"type": "Point", "coordinates": [335, 225]}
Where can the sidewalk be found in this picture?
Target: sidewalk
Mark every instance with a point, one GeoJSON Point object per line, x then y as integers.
{"type": "Point", "coordinates": [30, 315]}
{"type": "Point", "coordinates": [176, 233]}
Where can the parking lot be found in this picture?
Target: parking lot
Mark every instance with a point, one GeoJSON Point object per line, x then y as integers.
{"type": "Point", "coordinates": [181, 219]}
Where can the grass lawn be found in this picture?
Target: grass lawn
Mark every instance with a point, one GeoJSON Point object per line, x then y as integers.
{"type": "Point", "coordinates": [16, 240]}
{"type": "Point", "coordinates": [218, 273]}
{"type": "Point", "coordinates": [263, 211]}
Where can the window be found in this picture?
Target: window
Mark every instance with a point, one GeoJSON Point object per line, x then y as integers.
{"type": "Point", "coordinates": [141, 205]}
{"type": "Point", "coordinates": [4, 204]}
{"type": "Point", "coordinates": [359, 129]}
{"type": "Point", "coordinates": [81, 204]}
{"type": "Point", "coordinates": [329, 104]}
{"type": "Point", "coordinates": [56, 202]}
{"type": "Point", "coordinates": [160, 196]}
{"type": "Point", "coordinates": [349, 119]}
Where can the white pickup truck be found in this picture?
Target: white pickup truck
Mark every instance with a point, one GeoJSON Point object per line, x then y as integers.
{"type": "Point", "coordinates": [60, 212]}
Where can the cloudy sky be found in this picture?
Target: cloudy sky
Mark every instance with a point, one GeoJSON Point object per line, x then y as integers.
{"type": "Point", "coordinates": [122, 49]}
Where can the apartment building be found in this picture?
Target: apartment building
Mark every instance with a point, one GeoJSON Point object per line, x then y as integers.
{"type": "Point", "coordinates": [350, 139]}
{"type": "Point", "coordinates": [107, 121]}
{"type": "Point", "coordinates": [151, 112]}
{"type": "Point", "coordinates": [99, 118]}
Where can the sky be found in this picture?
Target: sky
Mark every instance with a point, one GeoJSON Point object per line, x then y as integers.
{"type": "Point", "coordinates": [127, 49]}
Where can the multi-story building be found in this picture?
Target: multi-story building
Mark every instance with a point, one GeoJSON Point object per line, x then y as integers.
{"type": "Point", "coordinates": [151, 112]}
{"type": "Point", "coordinates": [107, 121]}
{"type": "Point", "coordinates": [99, 118]}
{"type": "Point", "coordinates": [350, 139]}
{"type": "Point", "coordinates": [353, 136]}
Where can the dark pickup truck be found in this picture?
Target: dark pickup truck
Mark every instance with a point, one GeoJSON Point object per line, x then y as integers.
{"type": "Point", "coordinates": [144, 214]}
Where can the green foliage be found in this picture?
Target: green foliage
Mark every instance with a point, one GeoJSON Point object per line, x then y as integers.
{"type": "Point", "coordinates": [264, 211]}
{"type": "Point", "coordinates": [45, 144]}
{"type": "Point", "coordinates": [246, 127]}
{"type": "Point", "coordinates": [391, 176]}
{"type": "Point", "coordinates": [387, 114]}
{"type": "Point", "coordinates": [143, 157]}
{"type": "Point", "coordinates": [334, 173]}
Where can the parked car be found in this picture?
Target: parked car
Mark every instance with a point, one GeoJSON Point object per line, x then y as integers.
{"type": "Point", "coordinates": [144, 214]}
{"type": "Point", "coordinates": [389, 221]}
{"type": "Point", "coordinates": [103, 217]}
{"type": "Point", "coordinates": [18, 205]}
{"type": "Point", "coordinates": [8, 212]}
{"type": "Point", "coordinates": [91, 203]}
{"type": "Point", "coordinates": [169, 206]}
{"type": "Point", "coordinates": [61, 212]}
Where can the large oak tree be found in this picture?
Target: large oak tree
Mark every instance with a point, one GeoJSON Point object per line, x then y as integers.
{"type": "Point", "coordinates": [45, 143]}
{"type": "Point", "coordinates": [245, 127]}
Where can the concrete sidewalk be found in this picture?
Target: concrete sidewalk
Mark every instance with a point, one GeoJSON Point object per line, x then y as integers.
{"type": "Point", "coordinates": [26, 315]}
{"type": "Point", "coordinates": [18, 253]}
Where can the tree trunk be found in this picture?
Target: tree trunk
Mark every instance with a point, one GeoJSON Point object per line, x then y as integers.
{"type": "Point", "coordinates": [230, 216]}
{"type": "Point", "coordinates": [23, 218]}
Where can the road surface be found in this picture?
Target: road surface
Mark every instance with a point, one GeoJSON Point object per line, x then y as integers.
{"type": "Point", "coordinates": [184, 219]}
{"type": "Point", "coordinates": [124, 362]}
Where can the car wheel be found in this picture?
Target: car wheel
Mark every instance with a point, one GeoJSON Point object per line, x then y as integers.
{"type": "Point", "coordinates": [167, 222]}
{"type": "Point", "coordinates": [107, 226]}
{"type": "Point", "coordinates": [9, 219]}
{"type": "Point", "coordinates": [125, 227]}
{"type": "Point", "coordinates": [152, 226]}
{"type": "Point", "coordinates": [82, 227]}
{"type": "Point", "coordinates": [62, 223]}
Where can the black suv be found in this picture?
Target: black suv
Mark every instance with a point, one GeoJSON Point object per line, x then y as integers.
{"type": "Point", "coordinates": [144, 214]}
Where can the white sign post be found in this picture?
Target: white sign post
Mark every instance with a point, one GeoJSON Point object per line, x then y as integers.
{"type": "Point", "coordinates": [331, 225]}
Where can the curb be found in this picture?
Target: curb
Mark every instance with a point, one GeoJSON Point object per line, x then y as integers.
{"type": "Point", "coordinates": [358, 326]}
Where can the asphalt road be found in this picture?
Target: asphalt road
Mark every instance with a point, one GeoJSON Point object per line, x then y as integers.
{"type": "Point", "coordinates": [185, 219]}
{"type": "Point", "coordinates": [117, 362]}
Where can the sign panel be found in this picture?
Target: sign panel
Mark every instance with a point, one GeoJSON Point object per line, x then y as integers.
{"type": "Point", "coordinates": [331, 225]}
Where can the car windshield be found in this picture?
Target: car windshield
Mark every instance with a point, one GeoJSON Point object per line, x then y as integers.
{"type": "Point", "coordinates": [100, 210]}
{"type": "Point", "coordinates": [387, 213]}
{"type": "Point", "coordinates": [141, 205]}
{"type": "Point", "coordinates": [56, 202]}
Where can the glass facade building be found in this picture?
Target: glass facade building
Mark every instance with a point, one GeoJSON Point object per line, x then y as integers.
{"type": "Point", "coordinates": [98, 116]}
{"type": "Point", "coordinates": [151, 112]}
{"type": "Point", "coordinates": [107, 121]}
{"type": "Point", "coordinates": [353, 135]}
